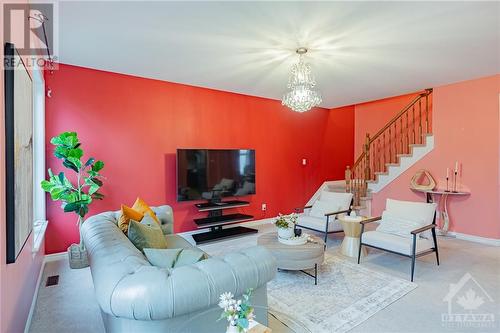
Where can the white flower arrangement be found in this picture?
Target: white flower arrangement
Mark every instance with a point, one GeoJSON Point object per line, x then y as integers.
{"type": "Point", "coordinates": [238, 313]}
{"type": "Point", "coordinates": [286, 221]}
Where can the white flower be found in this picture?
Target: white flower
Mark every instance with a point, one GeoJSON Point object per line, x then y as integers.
{"type": "Point", "coordinates": [238, 308]}
{"type": "Point", "coordinates": [233, 323]}
{"type": "Point", "coordinates": [239, 302]}
{"type": "Point", "coordinates": [226, 296]}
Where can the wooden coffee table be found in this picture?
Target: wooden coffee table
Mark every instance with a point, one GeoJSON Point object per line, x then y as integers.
{"type": "Point", "coordinates": [352, 232]}
{"type": "Point", "coordinates": [295, 257]}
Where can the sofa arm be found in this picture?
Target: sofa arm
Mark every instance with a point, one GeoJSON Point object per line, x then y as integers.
{"type": "Point", "coordinates": [154, 294]}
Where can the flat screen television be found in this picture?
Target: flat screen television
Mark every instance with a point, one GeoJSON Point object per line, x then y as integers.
{"type": "Point", "coordinates": [210, 174]}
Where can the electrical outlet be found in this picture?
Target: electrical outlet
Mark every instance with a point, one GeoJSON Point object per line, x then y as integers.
{"type": "Point", "coordinates": [264, 207]}
{"type": "Point", "coordinates": [304, 161]}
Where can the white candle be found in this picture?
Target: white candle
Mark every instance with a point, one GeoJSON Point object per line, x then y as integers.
{"type": "Point", "coordinates": [456, 167]}
{"type": "Point", "coordinates": [447, 172]}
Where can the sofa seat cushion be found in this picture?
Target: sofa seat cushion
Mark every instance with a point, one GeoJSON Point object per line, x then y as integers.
{"type": "Point", "coordinates": [395, 243]}
{"type": "Point", "coordinates": [319, 223]}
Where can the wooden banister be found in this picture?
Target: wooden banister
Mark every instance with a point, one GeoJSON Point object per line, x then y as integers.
{"type": "Point", "coordinates": [407, 127]}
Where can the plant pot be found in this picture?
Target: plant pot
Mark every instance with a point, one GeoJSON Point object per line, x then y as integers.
{"type": "Point", "coordinates": [77, 257]}
{"type": "Point", "coordinates": [232, 329]}
{"type": "Point", "coordinates": [285, 233]}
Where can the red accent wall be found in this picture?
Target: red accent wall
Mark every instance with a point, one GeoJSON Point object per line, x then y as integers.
{"type": "Point", "coordinates": [135, 126]}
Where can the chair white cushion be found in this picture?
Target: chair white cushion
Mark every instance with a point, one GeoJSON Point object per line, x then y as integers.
{"type": "Point", "coordinates": [320, 208]}
{"type": "Point", "coordinates": [395, 243]}
{"type": "Point", "coordinates": [337, 199]}
{"type": "Point", "coordinates": [318, 224]}
{"type": "Point", "coordinates": [396, 225]}
{"type": "Point", "coordinates": [415, 210]}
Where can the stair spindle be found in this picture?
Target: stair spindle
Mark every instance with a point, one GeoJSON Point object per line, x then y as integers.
{"type": "Point", "coordinates": [420, 134]}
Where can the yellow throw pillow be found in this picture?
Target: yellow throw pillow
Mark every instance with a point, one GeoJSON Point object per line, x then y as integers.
{"type": "Point", "coordinates": [142, 207]}
{"type": "Point", "coordinates": [127, 215]}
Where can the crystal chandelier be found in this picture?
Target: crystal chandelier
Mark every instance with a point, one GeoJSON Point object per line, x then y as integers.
{"type": "Point", "coordinates": [301, 97]}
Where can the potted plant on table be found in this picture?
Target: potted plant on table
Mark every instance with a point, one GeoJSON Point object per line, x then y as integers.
{"type": "Point", "coordinates": [76, 195]}
{"type": "Point", "coordinates": [238, 313]}
{"type": "Point", "coordinates": [286, 225]}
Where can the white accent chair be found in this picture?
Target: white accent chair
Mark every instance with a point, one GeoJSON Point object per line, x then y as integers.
{"type": "Point", "coordinates": [406, 228]}
{"type": "Point", "coordinates": [321, 216]}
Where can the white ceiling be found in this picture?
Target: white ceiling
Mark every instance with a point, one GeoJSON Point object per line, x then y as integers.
{"type": "Point", "coordinates": [359, 51]}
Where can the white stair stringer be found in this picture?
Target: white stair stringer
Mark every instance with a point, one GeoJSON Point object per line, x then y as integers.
{"type": "Point", "coordinates": [405, 162]}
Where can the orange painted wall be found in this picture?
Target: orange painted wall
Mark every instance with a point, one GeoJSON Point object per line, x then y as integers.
{"type": "Point", "coordinates": [135, 125]}
{"type": "Point", "coordinates": [467, 129]}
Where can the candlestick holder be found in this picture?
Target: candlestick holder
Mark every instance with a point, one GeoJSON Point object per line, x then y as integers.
{"type": "Point", "coordinates": [455, 182]}
{"type": "Point", "coordinates": [447, 184]}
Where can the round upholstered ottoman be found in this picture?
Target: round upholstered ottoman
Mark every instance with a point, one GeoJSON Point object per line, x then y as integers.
{"type": "Point", "coordinates": [295, 257]}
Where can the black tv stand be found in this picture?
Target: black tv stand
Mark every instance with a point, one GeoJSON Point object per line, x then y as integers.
{"type": "Point", "coordinates": [215, 220]}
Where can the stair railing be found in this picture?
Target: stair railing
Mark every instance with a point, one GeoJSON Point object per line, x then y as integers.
{"type": "Point", "coordinates": [408, 127]}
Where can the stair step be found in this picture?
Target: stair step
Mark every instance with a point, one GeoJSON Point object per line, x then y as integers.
{"type": "Point", "coordinates": [417, 145]}
{"type": "Point", "coordinates": [404, 155]}
{"type": "Point", "coordinates": [392, 164]}
{"type": "Point", "coordinates": [379, 173]}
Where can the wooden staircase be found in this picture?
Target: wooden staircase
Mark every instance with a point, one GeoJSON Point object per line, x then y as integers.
{"type": "Point", "coordinates": [408, 131]}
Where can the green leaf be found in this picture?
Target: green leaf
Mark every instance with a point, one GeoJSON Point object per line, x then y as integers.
{"type": "Point", "coordinates": [243, 322]}
{"type": "Point", "coordinates": [93, 189]}
{"type": "Point", "coordinates": [97, 196]}
{"type": "Point", "coordinates": [46, 185]}
{"type": "Point", "coordinates": [62, 178]}
{"type": "Point", "coordinates": [84, 209]}
{"type": "Point", "coordinates": [96, 181]}
{"type": "Point", "coordinates": [72, 207]}
{"type": "Point", "coordinates": [76, 153]}
{"type": "Point", "coordinates": [70, 165]}
{"type": "Point", "coordinates": [97, 166]}
{"type": "Point", "coordinates": [89, 161]}
{"type": "Point", "coordinates": [68, 139]}
{"type": "Point", "coordinates": [75, 161]}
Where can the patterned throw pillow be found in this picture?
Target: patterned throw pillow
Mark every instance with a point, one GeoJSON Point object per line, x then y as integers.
{"type": "Point", "coordinates": [145, 236]}
{"type": "Point", "coordinates": [397, 225]}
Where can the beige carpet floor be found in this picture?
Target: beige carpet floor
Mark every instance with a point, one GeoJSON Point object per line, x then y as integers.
{"type": "Point", "coordinates": [71, 305]}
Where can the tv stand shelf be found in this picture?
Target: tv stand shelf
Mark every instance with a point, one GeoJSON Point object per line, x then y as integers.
{"type": "Point", "coordinates": [208, 206]}
{"type": "Point", "coordinates": [215, 220]}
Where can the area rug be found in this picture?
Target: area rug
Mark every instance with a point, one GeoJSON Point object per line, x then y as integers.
{"type": "Point", "coordinates": [347, 294]}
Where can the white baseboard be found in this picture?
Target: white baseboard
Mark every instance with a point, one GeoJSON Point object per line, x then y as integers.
{"type": "Point", "coordinates": [35, 297]}
{"type": "Point", "coordinates": [475, 239]}
{"type": "Point", "coordinates": [471, 238]}
{"type": "Point", "coordinates": [55, 256]}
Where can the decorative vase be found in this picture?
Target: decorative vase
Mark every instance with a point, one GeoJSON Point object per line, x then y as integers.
{"type": "Point", "coordinates": [286, 233]}
{"type": "Point", "coordinates": [232, 329]}
{"type": "Point", "coordinates": [77, 257]}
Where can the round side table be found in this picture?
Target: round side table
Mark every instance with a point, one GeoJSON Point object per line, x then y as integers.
{"type": "Point", "coordinates": [352, 231]}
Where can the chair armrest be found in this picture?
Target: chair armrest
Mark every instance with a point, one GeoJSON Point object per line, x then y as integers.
{"type": "Point", "coordinates": [422, 229]}
{"type": "Point", "coordinates": [298, 209]}
{"type": "Point", "coordinates": [370, 220]}
{"type": "Point", "coordinates": [339, 212]}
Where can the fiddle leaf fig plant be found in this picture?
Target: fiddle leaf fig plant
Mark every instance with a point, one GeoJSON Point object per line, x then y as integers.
{"type": "Point", "coordinates": [74, 196]}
